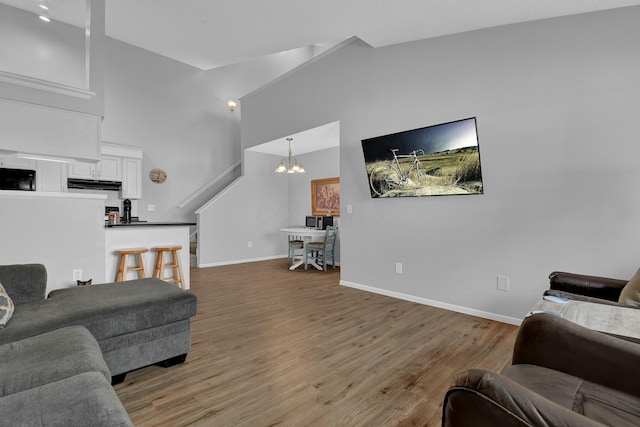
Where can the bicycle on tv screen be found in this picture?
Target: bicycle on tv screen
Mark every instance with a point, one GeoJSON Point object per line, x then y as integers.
{"type": "Point", "coordinates": [437, 160]}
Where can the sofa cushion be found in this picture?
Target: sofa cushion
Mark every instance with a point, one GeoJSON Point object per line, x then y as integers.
{"type": "Point", "coordinates": [86, 399]}
{"type": "Point", "coordinates": [24, 282]}
{"type": "Point", "coordinates": [49, 357]}
{"type": "Point", "coordinates": [596, 402]}
{"type": "Point", "coordinates": [630, 294]}
{"type": "Point", "coordinates": [107, 310]}
{"type": "Point", "coordinates": [6, 307]}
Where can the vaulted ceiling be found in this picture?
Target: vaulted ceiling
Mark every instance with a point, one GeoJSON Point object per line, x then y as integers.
{"type": "Point", "coordinates": [210, 33]}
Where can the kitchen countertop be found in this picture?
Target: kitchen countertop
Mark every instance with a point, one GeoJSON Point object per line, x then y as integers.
{"type": "Point", "coordinates": [150, 224]}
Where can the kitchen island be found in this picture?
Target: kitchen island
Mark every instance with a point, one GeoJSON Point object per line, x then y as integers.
{"type": "Point", "coordinates": [146, 235]}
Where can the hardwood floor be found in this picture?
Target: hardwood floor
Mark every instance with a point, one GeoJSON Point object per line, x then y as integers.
{"type": "Point", "coordinates": [273, 347]}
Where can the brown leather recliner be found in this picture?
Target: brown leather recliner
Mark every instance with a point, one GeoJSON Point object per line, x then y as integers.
{"type": "Point", "coordinates": [562, 374]}
{"type": "Point", "coordinates": [585, 288]}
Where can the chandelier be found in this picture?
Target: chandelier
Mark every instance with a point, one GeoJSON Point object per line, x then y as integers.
{"type": "Point", "coordinates": [289, 166]}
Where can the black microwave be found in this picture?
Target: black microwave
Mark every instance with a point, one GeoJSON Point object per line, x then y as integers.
{"type": "Point", "coordinates": [17, 179]}
{"type": "Point", "coordinates": [318, 222]}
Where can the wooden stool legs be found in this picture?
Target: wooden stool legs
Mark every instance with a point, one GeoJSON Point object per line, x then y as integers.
{"type": "Point", "coordinates": [162, 264]}
{"type": "Point", "coordinates": [124, 267]}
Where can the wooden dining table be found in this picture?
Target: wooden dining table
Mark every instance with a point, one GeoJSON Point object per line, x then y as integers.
{"type": "Point", "coordinates": [308, 235]}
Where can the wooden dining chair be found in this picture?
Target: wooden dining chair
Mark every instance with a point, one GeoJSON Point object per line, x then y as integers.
{"type": "Point", "coordinates": [295, 243]}
{"type": "Point", "coordinates": [321, 250]}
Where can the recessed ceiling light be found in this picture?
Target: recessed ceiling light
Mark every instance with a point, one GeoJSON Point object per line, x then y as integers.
{"type": "Point", "coordinates": [44, 18]}
{"type": "Point", "coordinates": [43, 6]}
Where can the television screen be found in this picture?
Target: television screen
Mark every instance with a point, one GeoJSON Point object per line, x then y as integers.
{"type": "Point", "coordinates": [437, 160]}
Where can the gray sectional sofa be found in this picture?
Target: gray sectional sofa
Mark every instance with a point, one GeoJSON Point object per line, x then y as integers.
{"type": "Point", "coordinates": [58, 378]}
{"type": "Point", "coordinates": [78, 340]}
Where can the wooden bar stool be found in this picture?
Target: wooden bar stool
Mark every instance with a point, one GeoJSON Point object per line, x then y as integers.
{"type": "Point", "coordinates": [124, 267]}
{"type": "Point", "coordinates": [162, 264]}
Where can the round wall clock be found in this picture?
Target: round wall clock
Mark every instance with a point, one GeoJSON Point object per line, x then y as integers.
{"type": "Point", "coordinates": [157, 176]}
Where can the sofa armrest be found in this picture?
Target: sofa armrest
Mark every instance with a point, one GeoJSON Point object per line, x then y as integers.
{"type": "Point", "coordinates": [593, 286]}
{"type": "Point", "coordinates": [24, 282]}
{"type": "Point", "coordinates": [481, 398]}
{"type": "Point", "coordinates": [555, 343]}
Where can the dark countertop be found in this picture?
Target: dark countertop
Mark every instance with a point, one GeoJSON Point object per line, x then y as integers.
{"type": "Point", "coordinates": [150, 224]}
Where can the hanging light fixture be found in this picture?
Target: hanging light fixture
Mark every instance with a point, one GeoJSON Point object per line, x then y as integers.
{"type": "Point", "coordinates": [290, 166]}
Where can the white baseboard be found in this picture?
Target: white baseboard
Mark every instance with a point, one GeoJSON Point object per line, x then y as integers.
{"type": "Point", "coordinates": [424, 301]}
{"type": "Point", "coordinates": [240, 261]}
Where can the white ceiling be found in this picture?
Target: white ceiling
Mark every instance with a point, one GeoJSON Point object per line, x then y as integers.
{"type": "Point", "coordinates": [316, 139]}
{"type": "Point", "coordinates": [212, 33]}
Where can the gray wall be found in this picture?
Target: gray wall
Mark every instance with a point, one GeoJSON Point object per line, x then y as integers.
{"type": "Point", "coordinates": [178, 114]}
{"type": "Point", "coordinates": [557, 104]}
{"type": "Point", "coordinates": [317, 165]}
{"type": "Point", "coordinates": [257, 206]}
{"type": "Point", "coordinates": [252, 210]}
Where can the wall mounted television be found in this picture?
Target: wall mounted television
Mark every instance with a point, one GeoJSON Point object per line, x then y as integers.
{"type": "Point", "coordinates": [442, 159]}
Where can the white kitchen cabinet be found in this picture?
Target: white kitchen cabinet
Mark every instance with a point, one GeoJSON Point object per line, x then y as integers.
{"type": "Point", "coordinates": [51, 176]}
{"type": "Point", "coordinates": [131, 178]}
{"type": "Point", "coordinates": [109, 168]}
{"type": "Point", "coordinates": [131, 158]}
{"type": "Point", "coordinates": [82, 170]}
{"type": "Point", "coordinates": [11, 161]}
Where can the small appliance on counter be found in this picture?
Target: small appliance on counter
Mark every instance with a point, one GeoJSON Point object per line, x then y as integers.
{"type": "Point", "coordinates": [318, 222]}
{"type": "Point", "coordinates": [111, 215]}
{"type": "Point", "coordinates": [127, 211]}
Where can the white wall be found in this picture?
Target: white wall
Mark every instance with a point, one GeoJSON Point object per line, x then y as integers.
{"type": "Point", "coordinates": [60, 69]}
{"type": "Point", "coordinates": [52, 51]}
{"type": "Point", "coordinates": [557, 104]}
{"type": "Point", "coordinates": [63, 233]}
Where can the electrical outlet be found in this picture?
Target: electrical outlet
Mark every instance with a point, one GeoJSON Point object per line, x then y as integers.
{"type": "Point", "coordinates": [399, 267]}
{"type": "Point", "coordinates": [77, 274]}
{"type": "Point", "coordinates": [503, 283]}
{"type": "Point", "coordinates": [151, 208]}
{"type": "Point", "coordinates": [249, 244]}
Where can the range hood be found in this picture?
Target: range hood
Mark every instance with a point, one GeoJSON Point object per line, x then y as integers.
{"type": "Point", "coordinates": [92, 184]}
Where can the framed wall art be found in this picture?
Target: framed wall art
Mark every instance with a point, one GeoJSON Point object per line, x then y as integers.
{"type": "Point", "coordinates": [325, 196]}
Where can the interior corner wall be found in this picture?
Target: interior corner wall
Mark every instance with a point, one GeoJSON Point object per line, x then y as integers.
{"type": "Point", "coordinates": [318, 165]}
{"type": "Point", "coordinates": [171, 110]}
{"type": "Point", "coordinates": [178, 114]}
{"type": "Point", "coordinates": [557, 105]}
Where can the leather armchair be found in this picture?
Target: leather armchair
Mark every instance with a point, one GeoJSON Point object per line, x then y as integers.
{"type": "Point", "coordinates": [562, 374]}
{"type": "Point", "coordinates": [588, 286]}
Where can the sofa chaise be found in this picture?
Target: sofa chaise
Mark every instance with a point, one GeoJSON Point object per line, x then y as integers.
{"type": "Point", "coordinates": [136, 323]}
